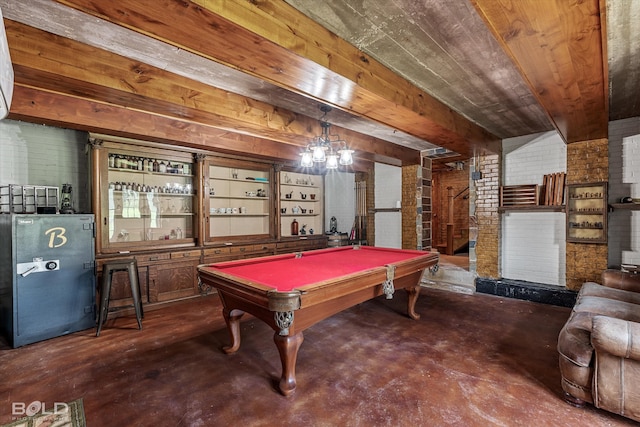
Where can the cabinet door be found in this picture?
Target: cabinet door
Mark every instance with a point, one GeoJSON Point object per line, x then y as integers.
{"type": "Point", "coordinates": [240, 202]}
{"type": "Point", "coordinates": [147, 199]}
{"type": "Point", "coordinates": [587, 213]}
{"type": "Point", "coordinates": [173, 280]}
{"type": "Point", "coordinates": [301, 200]}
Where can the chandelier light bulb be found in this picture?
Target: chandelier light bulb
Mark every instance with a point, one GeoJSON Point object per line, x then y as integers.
{"type": "Point", "coordinates": [346, 157]}
{"type": "Point", "coordinates": [307, 159]}
{"type": "Point", "coordinates": [318, 154]}
{"type": "Point", "coordinates": [332, 160]}
{"type": "Point", "coordinates": [322, 150]}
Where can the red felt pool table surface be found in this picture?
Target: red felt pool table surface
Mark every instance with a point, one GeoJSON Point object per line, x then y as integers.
{"type": "Point", "coordinates": [292, 292]}
{"type": "Point", "coordinates": [287, 272]}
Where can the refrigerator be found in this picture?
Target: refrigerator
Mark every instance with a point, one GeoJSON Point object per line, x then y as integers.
{"type": "Point", "coordinates": [47, 276]}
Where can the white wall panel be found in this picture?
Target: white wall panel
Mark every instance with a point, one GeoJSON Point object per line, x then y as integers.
{"type": "Point", "coordinates": [624, 180]}
{"type": "Point", "coordinates": [533, 243]}
{"type": "Point", "coordinates": [388, 192]}
{"type": "Point", "coordinates": [340, 200]}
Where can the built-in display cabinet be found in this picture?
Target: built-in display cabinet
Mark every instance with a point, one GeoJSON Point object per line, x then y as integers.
{"type": "Point", "coordinates": [147, 198]}
{"type": "Point", "coordinates": [301, 204]}
{"type": "Point", "coordinates": [587, 213]}
{"type": "Point", "coordinates": [239, 200]}
{"type": "Point", "coordinates": [173, 209]}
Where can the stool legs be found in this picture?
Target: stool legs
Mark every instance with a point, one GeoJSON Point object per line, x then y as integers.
{"type": "Point", "coordinates": [105, 291]}
{"type": "Point", "coordinates": [135, 292]}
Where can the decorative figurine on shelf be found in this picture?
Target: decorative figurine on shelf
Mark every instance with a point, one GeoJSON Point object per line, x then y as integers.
{"type": "Point", "coordinates": [303, 230]}
{"type": "Point", "coordinates": [311, 231]}
{"type": "Point", "coordinates": [294, 227]}
{"type": "Point", "coordinates": [333, 225]}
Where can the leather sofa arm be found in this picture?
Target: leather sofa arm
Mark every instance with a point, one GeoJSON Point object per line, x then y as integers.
{"type": "Point", "coordinates": [618, 337]}
{"type": "Point", "coordinates": [621, 280]}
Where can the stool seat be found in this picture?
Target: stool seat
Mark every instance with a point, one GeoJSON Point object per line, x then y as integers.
{"type": "Point", "coordinates": [108, 268]}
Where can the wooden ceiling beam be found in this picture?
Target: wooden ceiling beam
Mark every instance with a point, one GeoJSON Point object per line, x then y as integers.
{"type": "Point", "coordinates": [559, 48]}
{"type": "Point", "coordinates": [275, 42]}
{"type": "Point", "coordinates": [55, 109]}
{"type": "Point", "coordinates": [57, 64]}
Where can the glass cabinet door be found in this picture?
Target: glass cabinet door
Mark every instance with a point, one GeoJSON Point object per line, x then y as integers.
{"type": "Point", "coordinates": [239, 201]}
{"type": "Point", "coordinates": [148, 200]}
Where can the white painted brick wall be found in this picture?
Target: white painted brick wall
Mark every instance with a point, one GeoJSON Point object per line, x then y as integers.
{"type": "Point", "coordinates": [528, 158]}
{"type": "Point", "coordinates": [389, 229]}
{"type": "Point", "coordinates": [388, 191]}
{"type": "Point", "coordinates": [624, 170]}
{"type": "Point", "coordinates": [533, 243]}
{"type": "Point", "coordinates": [32, 154]}
{"type": "Point", "coordinates": [533, 247]}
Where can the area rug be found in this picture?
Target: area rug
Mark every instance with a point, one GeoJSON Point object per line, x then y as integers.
{"type": "Point", "coordinates": [71, 415]}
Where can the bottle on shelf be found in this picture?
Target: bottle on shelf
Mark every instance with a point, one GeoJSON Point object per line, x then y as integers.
{"type": "Point", "coordinates": [156, 165]}
{"type": "Point", "coordinates": [162, 168]}
{"type": "Point", "coordinates": [294, 227]}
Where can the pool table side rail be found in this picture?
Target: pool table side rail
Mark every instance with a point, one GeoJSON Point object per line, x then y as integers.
{"type": "Point", "coordinates": [320, 292]}
{"type": "Point", "coordinates": [254, 292]}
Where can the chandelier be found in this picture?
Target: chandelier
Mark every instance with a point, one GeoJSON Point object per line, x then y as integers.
{"type": "Point", "coordinates": [325, 150]}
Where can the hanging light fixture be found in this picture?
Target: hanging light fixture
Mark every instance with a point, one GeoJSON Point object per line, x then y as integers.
{"type": "Point", "coordinates": [324, 150]}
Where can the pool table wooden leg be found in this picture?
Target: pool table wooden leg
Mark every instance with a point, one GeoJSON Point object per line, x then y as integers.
{"type": "Point", "coordinates": [232, 317]}
{"type": "Point", "coordinates": [288, 347]}
{"type": "Point", "coordinates": [413, 293]}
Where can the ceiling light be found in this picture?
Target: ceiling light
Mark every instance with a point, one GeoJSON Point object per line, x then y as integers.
{"type": "Point", "coordinates": [325, 150]}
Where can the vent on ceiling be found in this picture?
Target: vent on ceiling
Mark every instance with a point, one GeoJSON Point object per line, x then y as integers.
{"type": "Point", "coordinates": [439, 153]}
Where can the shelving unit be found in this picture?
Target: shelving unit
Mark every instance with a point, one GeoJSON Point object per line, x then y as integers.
{"type": "Point", "coordinates": [147, 206]}
{"type": "Point", "coordinates": [587, 213]}
{"type": "Point", "coordinates": [239, 203]}
{"type": "Point", "coordinates": [301, 199]}
{"type": "Point", "coordinates": [624, 206]}
{"type": "Point", "coordinates": [148, 214]}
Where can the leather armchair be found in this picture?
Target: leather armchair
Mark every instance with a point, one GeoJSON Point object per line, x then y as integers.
{"type": "Point", "coordinates": [599, 346]}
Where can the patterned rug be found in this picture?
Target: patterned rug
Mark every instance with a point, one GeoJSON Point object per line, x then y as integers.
{"type": "Point", "coordinates": [70, 416]}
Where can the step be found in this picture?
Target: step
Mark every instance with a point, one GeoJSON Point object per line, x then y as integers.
{"type": "Point", "coordinates": [450, 277]}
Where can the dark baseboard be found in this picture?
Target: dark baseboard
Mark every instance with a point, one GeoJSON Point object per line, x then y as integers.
{"type": "Point", "coordinates": [530, 291]}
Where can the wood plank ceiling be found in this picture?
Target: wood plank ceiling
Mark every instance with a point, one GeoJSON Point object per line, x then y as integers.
{"type": "Point", "coordinates": [402, 77]}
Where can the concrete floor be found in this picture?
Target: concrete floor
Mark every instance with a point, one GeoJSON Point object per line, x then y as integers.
{"type": "Point", "coordinates": [470, 360]}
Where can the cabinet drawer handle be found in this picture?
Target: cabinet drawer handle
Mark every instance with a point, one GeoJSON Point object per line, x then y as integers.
{"type": "Point", "coordinates": [153, 258]}
{"type": "Point", "coordinates": [218, 251]}
{"type": "Point", "coordinates": [243, 249]}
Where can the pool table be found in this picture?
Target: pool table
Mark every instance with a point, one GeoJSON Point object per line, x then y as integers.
{"type": "Point", "coordinates": [291, 292]}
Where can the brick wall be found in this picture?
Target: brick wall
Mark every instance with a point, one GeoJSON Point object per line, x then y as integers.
{"type": "Point", "coordinates": [488, 218]}
{"type": "Point", "coordinates": [411, 197]}
{"type": "Point", "coordinates": [587, 161]}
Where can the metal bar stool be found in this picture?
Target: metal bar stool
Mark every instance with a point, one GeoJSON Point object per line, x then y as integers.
{"type": "Point", "coordinates": [108, 268]}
